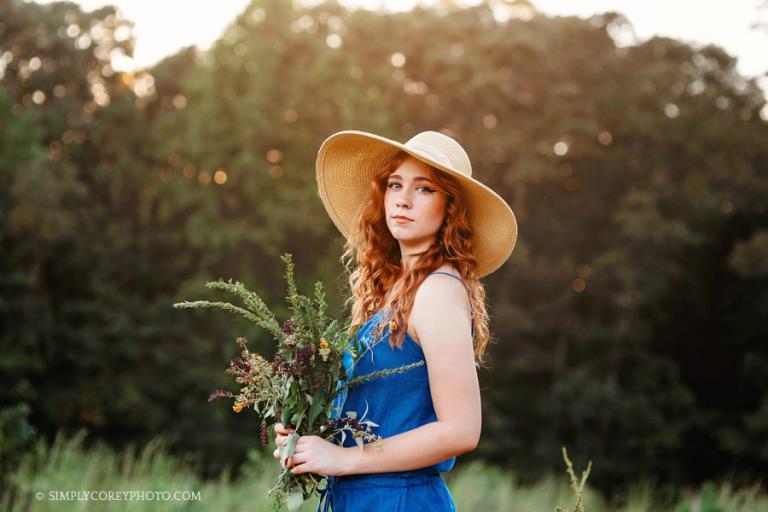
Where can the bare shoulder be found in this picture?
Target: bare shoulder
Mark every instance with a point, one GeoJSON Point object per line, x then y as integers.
{"type": "Point", "coordinates": [442, 300]}
{"type": "Point", "coordinates": [436, 284]}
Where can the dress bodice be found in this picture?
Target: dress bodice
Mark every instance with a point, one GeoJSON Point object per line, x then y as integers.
{"type": "Point", "coordinates": [399, 402]}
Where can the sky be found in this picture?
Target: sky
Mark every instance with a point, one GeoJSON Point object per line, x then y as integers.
{"type": "Point", "coordinates": [726, 23]}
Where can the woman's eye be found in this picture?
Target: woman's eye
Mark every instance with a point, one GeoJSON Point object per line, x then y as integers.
{"type": "Point", "coordinates": [427, 189]}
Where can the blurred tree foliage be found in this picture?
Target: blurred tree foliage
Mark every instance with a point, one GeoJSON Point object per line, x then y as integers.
{"type": "Point", "coordinates": [630, 319]}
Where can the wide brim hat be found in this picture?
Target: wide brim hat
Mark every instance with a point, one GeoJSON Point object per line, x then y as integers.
{"type": "Point", "coordinates": [348, 160]}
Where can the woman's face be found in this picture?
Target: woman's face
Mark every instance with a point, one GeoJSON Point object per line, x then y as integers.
{"type": "Point", "coordinates": [411, 193]}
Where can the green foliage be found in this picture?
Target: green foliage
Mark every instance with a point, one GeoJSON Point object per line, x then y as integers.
{"type": "Point", "coordinates": [576, 484]}
{"type": "Point", "coordinates": [68, 464]}
{"type": "Point", "coordinates": [16, 435]}
{"type": "Point", "coordinates": [629, 320]}
{"type": "Point", "coordinates": [257, 311]}
{"type": "Point", "coordinates": [301, 384]}
{"type": "Point", "coordinates": [382, 373]}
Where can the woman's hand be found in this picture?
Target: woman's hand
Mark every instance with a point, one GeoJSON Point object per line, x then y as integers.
{"type": "Point", "coordinates": [282, 434]}
{"type": "Point", "coordinates": [312, 454]}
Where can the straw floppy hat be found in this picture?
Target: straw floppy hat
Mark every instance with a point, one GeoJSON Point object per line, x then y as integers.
{"type": "Point", "coordinates": [348, 160]}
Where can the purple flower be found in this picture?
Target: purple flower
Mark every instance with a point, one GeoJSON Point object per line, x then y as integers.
{"type": "Point", "coordinates": [220, 393]}
{"type": "Point", "coordinates": [238, 362]}
{"type": "Point", "coordinates": [280, 365]}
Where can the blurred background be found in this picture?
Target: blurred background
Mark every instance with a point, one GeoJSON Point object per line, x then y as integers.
{"type": "Point", "coordinates": [631, 322]}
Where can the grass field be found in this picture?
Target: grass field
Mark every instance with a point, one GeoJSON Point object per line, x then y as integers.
{"type": "Point", "coordinates": [67, 466]}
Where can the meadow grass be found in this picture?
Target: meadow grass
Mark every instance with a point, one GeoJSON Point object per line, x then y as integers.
{"type": "Point", "coordinates": [66, 465]}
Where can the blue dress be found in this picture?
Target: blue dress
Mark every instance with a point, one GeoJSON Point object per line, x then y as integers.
{"type": "Point", "coordinates": [398, 403]}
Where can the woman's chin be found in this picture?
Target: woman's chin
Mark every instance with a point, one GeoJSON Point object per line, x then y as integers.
{"type": "Point", "coordinates": [402, 234]}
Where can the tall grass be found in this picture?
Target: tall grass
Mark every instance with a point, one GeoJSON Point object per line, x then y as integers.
{"type": "Point", "coordinates": [66, 465]}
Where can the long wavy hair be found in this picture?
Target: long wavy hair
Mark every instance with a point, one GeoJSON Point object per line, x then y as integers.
{"type": "Point", "coordinates": [372, 260]}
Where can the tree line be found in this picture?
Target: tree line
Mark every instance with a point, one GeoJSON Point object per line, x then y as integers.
{"type": "Point", "coordinates": [629, 322]}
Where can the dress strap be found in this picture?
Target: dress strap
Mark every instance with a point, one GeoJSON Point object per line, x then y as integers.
{"type": "Point", "coordinates": [471, 307]}
{"type": "Point", "coordinates": [326, 495]}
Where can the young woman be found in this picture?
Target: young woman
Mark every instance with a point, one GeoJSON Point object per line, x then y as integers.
{"type": "Point", "coordinates": [420, 234]}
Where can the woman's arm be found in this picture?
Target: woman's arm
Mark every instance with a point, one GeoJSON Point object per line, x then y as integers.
{"type": "Point", "coordinates": [441, 319]}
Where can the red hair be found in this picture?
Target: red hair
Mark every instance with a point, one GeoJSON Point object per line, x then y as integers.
{"type": "Point", "coordinates": [373, 260]}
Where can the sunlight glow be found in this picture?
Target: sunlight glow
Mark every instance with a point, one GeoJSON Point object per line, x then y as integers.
{"type": "Point", "coordinates": [161, 28]}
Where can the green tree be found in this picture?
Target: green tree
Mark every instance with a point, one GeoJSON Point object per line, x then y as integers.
{"type": "Point", "coordinates": [629, 318]}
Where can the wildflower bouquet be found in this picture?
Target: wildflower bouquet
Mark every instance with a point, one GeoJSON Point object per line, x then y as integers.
{"type": "Point", "coordinates": [304, 378]}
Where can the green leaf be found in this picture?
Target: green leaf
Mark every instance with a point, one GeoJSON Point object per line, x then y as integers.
{"type": "Point", "coordinates": [299, 418]}
{"type": "Point", "coordinates": [288, 448]}
{"type": "Point", "coordinates": [284, 416]}
{"type": "Point", "coordinates": [317, 407]}
{"type": "Point", "coordinates": [294, 500]}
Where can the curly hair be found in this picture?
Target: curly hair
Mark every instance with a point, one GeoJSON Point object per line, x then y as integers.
{"type": "Point", "coordinates": [372, 260]}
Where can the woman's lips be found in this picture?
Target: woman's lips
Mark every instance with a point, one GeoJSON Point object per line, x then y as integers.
{"type": "Point", "coordinates": [402, 220]}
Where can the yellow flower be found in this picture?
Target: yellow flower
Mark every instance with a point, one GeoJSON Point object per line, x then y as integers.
{"type": "Point", "coordinates": [237, 407]}
{"type": "Point", "coordinates": [325, 349]}
{"type": "Point", "coordinates": [393, 325]}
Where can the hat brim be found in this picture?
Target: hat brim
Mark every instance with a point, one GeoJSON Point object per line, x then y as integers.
{"type": "Point", "coordinates": [347, 162]}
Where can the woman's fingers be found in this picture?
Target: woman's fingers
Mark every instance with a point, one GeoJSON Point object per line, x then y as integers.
{"type": "Point", "coordinates": [282, 435]}
{"type": "Point", "coordinates": [280, 439]}
{"type": "Point", "coordinates": [294, 460]}
{"type": "Point", "coordinates": [281, 429]}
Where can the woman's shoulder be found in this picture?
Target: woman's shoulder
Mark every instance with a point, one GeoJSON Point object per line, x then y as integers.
{"type": "Point", "coordinates": [437, 295]}
{"type": "Point", "coordinates": [440, 289]}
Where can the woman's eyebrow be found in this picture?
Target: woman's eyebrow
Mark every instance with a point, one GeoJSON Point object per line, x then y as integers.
{"type": "Point", "coordinates": [417, 178]}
